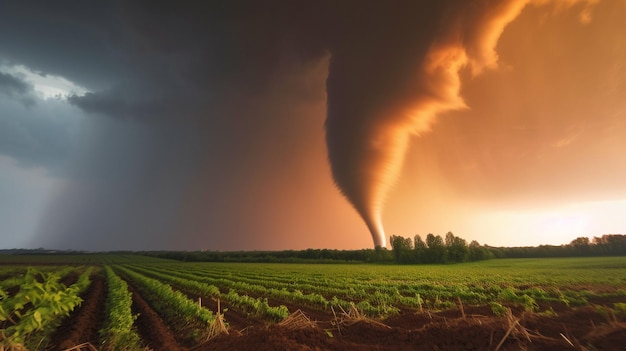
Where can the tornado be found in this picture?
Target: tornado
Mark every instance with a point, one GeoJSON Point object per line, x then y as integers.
{"type": "Point", "coordinates": [364, 166]}
{"type": "Point", "coordinates": [370, 120]}
{"type": "Point", "coordinates": [387, 84]}
{"type": "Point", "coordinates": [368, 129]}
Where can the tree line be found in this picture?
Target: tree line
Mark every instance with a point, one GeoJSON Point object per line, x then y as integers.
{"type": "Point", "coordinates": [605, 245]}
{"type": "Point", "coordinates": [377, 255]}
{"type": "Point", "coordinates": [454, 249]}
{"type": "Point", "coordinates": [435, 249]}
{"type": "Point", "coordinates": [432, 249]}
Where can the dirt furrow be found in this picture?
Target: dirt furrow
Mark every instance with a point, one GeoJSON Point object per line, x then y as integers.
{"type": "Point", "coordinates": [70, 278]}
{"type": "Point", "coordinates": [153, 331]}
{"type": "Point", "coordinates": [84, 322]}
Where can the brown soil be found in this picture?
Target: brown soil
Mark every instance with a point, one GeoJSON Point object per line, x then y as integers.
{"type": "Point", "coordinates": [70, 278]}
{"type": "Point", "coordinates": [155, 334]}
{"type": "Point", "coordinates": [84, 322]}
{"type": "Point", "coordinates": [578, 329]}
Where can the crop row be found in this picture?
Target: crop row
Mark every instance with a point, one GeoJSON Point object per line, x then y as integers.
{"type": "Point", "coordinates": [189, 320]}
{"type": "Point", "coordinates": [32, 302]}
{"type": "Point", "coordinates": [376, 306]}
{"type": "Point", "coordinates": [190, 284]}
{"type": "Point", "coordinates": [31, 314]}
{"type": "Point", "coordinates": [317, 290]}
{"type": "Point", "coordinates": [376, 299]}
{"type": "Point", "coordinates": [117, 332]}
{"type": "Point", "coordinates": [403, 287]}
{"type": "Point", "coordinates": [19, 276]}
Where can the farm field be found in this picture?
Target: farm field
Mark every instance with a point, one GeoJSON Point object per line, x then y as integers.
{"type": "Point", "coordinates": [125, 302]}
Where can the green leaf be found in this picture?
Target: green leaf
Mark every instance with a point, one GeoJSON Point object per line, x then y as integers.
{"type": "Point", "coordinates": [37, 318]}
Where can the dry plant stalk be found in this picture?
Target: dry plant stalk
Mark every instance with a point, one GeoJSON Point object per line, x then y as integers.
{"type": "Point", "coordinates": [514, 325]}
{"type": "Point", "coordinates": [83, 346]}
{"type": "Point", "coordinates": [506, 335]}
{"type": "Point", "coordinates": [13, 347]}
{"type": "Point", "coordinates": [461, 307]}
{"type": "Point", "coordinates": [219, 326]}
{"type": "Point", "coordinates": [566, 339]}
{"type": "Point", "coordinates": [297, 320]}
{"type": "Point", "coordinates": [347, 318]}
{"type": "Point", "coordinates": [10, 346]}
{"type": "Point", "coordinates": [351, 317]}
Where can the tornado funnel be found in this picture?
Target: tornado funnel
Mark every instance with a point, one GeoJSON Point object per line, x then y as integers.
{"type": "Point", "coordinates": [387, 83]}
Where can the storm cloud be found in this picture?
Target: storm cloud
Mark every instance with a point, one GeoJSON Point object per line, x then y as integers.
{"type": "Point", "coordinates": [10, 85]}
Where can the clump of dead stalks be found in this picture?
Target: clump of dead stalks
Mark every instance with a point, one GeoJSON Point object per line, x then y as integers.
{"type": "Point", "coordinates": [515, 329]}
{"type": "Point", "coordinates": [12, 347]}
{"type": "Point", "coordinates": [8, 345]}
{"type": "Point", "coordinates": [353, 315]}
{"type": "Point", "coordinates": [297, 320]}
{"type": "Point", "coordinates": [219, 325]}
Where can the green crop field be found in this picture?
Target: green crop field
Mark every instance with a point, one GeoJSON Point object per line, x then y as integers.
{"type": "Point", "coordinates": [381, 289]}
{"type": "Point", "coordinates": [185, 295]}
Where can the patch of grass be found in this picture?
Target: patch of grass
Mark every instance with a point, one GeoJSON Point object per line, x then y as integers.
{"type": "Point", "coordinates": [497, 309]}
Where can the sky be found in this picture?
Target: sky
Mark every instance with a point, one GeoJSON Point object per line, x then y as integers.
{"type": "Point", "coordinates": [247, 125]}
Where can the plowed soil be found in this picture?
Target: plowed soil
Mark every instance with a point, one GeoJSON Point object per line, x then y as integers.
{"type": "Point", "coordinates": [476, 328]}
{"type": "Point", "coordinates": [594, 327]}
{"type": "Point", "coordinates": [70, 278]}
{"type": "Point", "coordinates": [84, 322]}
{"type": "Point", "coordinates": [155, 334]}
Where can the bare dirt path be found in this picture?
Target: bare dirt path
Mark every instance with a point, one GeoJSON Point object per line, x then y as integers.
{"type": "Point", "coordinates": [84, 322]}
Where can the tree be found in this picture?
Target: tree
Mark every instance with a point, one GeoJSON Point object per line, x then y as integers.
{"type": "Point", "coordinates": [457, 248]}
{"type": "Point", "coordinates": [419, 249]}
{"type": "Point", "coordinates": [581, 245]}
{"type": "Point", "coordinates": [437, 252]}
{"type": "Point", "coordinates": [402, 248]}
{"type": "Point", "coordinates": [478, 252]}
{"type": "Point", "coordinates": [615, 244]}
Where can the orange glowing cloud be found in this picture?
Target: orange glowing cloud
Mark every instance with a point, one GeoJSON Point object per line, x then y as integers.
{"type": "Point", "coordinates": [367, 140]}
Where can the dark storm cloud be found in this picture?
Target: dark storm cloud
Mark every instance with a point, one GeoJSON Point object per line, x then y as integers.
{"type": "Point", "coordinates": [186, 86]}
{"type": "Point", "coordinates": [175, 82]}
{"type": "Point", "coordinates": [15, 88]}
{"type": "Point", "coordinates": [185, 58]}
{"type": "Point", "coordinates": [65, 38]}
{"type": "Point", "coordinates": [33, 132]}
{"type": "Point", "coordinates": [10, 85]}
{"type": "Point", "coordinates": [37, 134]}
